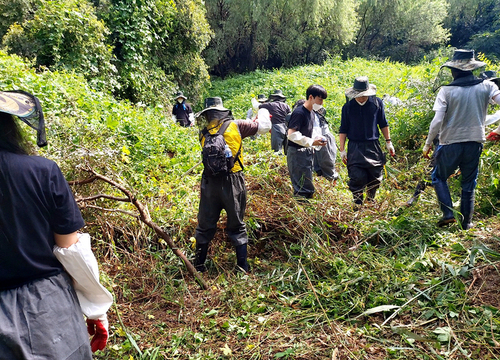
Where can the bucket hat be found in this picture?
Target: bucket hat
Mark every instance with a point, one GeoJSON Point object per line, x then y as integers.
{"type": "Point", "coordinates": [212, 103]}
{"type": "Point", "coordinates": [27, 108]}
{"type": "Point", "coordinates": [261, 98]}
{"type": "Point", "coordinates": [491, 76]}
{"type": "Point", "coordinates": [361, 87]}
{"type": "Point", "coordinates": [179, 94]}
{"type": "Point", "coordinates": [277, 94]}
{"type": "Point", "coordinates": [463, 60]}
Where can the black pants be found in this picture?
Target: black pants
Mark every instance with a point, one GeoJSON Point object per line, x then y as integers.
{"type": "Point", "coordinates": [217, 193]}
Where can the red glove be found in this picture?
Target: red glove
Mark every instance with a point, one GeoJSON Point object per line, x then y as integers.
{"type": "Point", "coordinates": [99, 332]}
{"type": "Point", "coordinates": [493, 136]}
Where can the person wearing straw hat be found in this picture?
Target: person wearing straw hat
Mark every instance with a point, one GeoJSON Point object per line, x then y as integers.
{"type": "Point", "coordinates": [224, 189]}
{"type": "Point", "coordinates": [279, 109]}
{"type": "Point", "coordinates": [362, 117]}
{"type": "Point", "coordinates": [490, 75]}
{"type": "Point", "coordinates": [182, 111]}
{"type": "Point", "coordinates": [40, 311]}
{"type": "Point", "coordinates": [459, 121]}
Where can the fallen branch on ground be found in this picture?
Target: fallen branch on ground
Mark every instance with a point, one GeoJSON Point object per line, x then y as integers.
{"type": "Point", "coordinates": [142, 216]}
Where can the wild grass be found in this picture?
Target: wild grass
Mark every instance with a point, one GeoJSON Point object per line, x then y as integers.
{"type": "Point", "coordinates": [327, 281]}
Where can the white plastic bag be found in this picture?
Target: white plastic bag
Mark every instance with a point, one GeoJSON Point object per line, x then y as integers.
{"type": "Point", "coordinates": [81, 264]}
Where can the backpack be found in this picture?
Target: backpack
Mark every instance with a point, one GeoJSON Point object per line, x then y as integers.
{"type": "Point", "coordinates": [217, 158]}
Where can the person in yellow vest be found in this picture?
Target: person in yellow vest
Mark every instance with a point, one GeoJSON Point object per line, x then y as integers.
{"type": "Point", "coordinates": [222, 182]}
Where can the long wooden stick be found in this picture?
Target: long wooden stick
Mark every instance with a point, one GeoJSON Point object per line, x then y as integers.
{"type": "Point", "coordinates": [143, 216]}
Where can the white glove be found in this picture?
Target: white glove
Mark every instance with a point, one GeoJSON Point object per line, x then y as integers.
{"type": "Point", "coordinates": [390, 148]}
{"type": "Point", "coordinates": [191, 119]}
{"type": "Point", "coordinates": [343, 156]}
{"type": "Point", "coordinates": [174, 119]}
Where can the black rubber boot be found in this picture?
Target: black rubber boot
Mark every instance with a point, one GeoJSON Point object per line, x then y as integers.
{"type": "Point", "coordinates": [200, 257]}
{"type": "Point", "coordinates": [467, 208]}
{"type": "Point", "coordinates": [358, 197]}
{"type": "Point", "coordinates": [370, 194]}
{"type": "Point", "coordinates": [241, 258]}
{"type": "Point", "coordinates": [444, 198]}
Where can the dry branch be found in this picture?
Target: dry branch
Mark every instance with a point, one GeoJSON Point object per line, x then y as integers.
{"type": "Point", "coordinates": [143, 216]}
{"type": "Point", "coordinates": [104, 196]}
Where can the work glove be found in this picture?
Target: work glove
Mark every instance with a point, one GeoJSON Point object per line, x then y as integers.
{"type": "Point", "coordinates": [426, 150]}
{"type": "Point", "coordinates": [98, 329]}
{"type": "Point", "coordinates": [493, 136]}
{"type": "Point", "coordinates": [390, 148]}
{"type": "Point", "coordinates": [343, 156]}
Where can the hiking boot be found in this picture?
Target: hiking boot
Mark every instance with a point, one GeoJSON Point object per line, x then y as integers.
{"type": "Point", "coordinates": [201, 268]}
{"type": "Point", "coordinates": [200, 257]}
{"type": "Point", "coordinates": [241, 258]}
{"type": "Point", "coordinates": [443, 222]}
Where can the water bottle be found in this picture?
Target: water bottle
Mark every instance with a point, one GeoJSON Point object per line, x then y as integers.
{"type": "Point", "coordinates": [227, 151]}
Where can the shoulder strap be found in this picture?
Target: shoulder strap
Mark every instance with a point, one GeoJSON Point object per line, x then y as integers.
{"type": "Point", "coordinates": [203, 133]}
{"type": "Point", "coordinates": [224, 126]}
{"type": "Point", "coordinates": [237, 156]}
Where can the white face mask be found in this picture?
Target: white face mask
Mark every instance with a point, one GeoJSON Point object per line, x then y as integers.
{"type": "Point", "coordinates": [316, 107]}
{"type": "Point", "coordinates": [180, 100]}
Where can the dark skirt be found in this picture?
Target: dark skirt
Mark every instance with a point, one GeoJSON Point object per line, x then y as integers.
{"type": "Point", "coordinates": [43, 320]}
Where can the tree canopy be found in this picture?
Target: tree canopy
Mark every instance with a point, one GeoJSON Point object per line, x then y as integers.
{"type": "Point", "coordinates": [274, 33]}
{"type": "Point", "coordinates": [145, 50]}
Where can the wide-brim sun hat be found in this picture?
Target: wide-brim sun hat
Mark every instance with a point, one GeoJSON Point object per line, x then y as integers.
{"type": "Point", "coordinates": [261, 98]}
{"type": "Point", "coordinates": [27, 108]}
{"type": "Point", "coordinates": [464, 60]}
{"type": "Point", "coordinates": [179, 94]}
{"type": "Point", "coordinates": [361, 87]}
{"type": "Point", "coordinates": [277, 94]}
{"type": "Point", "coordinates": [490, 75]}
{"type": "Point", "coordinates": [212, 103]}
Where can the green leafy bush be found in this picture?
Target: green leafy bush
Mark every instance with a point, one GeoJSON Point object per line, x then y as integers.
{"type": "Point", "coordinates": [66, 35]}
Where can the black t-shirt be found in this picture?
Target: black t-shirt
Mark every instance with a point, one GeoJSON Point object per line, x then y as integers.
{"type": "Point", "coordinates": [35, 203]}
{"type": "Point", "coordinates": [301, 120]}
{"type": "Point", "coordinates": [361, 122]}
{"type": "Point", "coordinates": [278, 111]}
{"type": "Point", "coordinates": [181, 113]}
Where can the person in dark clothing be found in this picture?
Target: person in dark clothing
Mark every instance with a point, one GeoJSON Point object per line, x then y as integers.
{"type": "Point", "coordinates": [226, 191]}
{"type": "Point", "coordinates": [278, 109]}
{"type": "Point", "coordinates": [301, 140]}
{"type": "Point", "coordinates": [40, 312]}
{"type": "Point", "coordinates": [182, 112]}
{"type": "Point", "coordinates": [362, 117]}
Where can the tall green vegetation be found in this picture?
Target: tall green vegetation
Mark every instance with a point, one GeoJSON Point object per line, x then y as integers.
{"type": "Point", "coordinates": [138, 50]}
{"type": "Point", "coordinates": [475, 24]}
{"type": "Point", "coordinates": [64, 34]}
{"type": "Point", "coordinates": [158, 46]}
{"type": "Point", "coordinates": [275, 33]}
{"type": "Point", "coordinates": [399, 29]}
